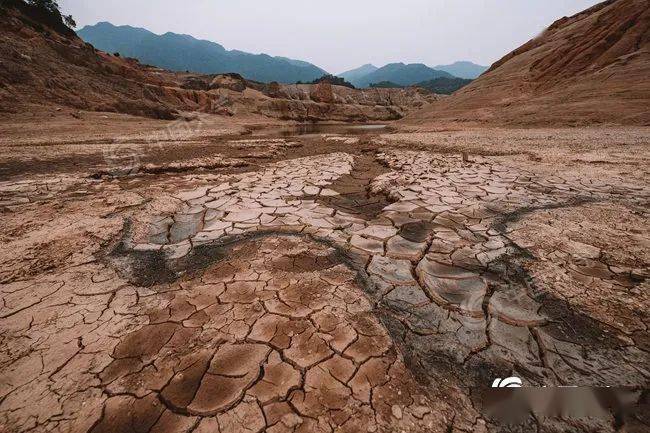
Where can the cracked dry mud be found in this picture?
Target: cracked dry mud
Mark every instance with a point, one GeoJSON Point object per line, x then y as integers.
{"type": "Point", "coordinates": [335, 292]}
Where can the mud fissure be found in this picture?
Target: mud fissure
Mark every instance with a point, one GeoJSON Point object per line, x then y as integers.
{"type": "Point", "coordinates": [355, 196]}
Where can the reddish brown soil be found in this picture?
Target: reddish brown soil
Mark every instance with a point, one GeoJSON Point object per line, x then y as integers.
{"type": "Point", "coordinates": [336, 282]}
{"type": "Point", "coordinates": [208, 275]}
{"type": "Point", "coordinates": [589, 68]}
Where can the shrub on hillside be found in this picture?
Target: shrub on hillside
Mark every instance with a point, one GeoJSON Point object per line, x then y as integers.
{"type": "Point", "coordinates": [333, 80]}
{"type": "Point", "coordinates": [45, 12]}
{"type": "Point", "coordinates": [386, 85]}
{"type": "Point", "coordinates": [444, 85]}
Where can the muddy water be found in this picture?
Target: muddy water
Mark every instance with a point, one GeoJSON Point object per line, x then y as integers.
{"type": "Point", "coordinates": [326, 128]}
{"type": "Point", "coordinates": [93, 161]}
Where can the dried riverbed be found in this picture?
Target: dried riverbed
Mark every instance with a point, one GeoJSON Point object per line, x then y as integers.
{"type": "Point", "coordinates": [324, 281]}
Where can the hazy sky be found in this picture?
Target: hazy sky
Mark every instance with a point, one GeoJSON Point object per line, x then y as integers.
{"type": "Point", "coordinates": [338, 35]}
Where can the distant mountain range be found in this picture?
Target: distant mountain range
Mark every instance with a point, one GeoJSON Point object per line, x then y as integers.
{"type": "Point", "coordinates": [410, 74]}
{"type": "Point", "coordinates": [400, 73]}
{"type": "Point", "coordinates": [463, 69]}
{"type": "Point", "coordinates": [358, 73]}
{"type": "Point", "coordinates": [178, 52]}
{"type": "Point", "coordinates": [185, 53]}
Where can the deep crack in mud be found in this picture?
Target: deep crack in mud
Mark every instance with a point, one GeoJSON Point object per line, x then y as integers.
{"type": "Point", "coordinates": [290, 343]}
{"type": "Point", "coordinates": [354, 192]}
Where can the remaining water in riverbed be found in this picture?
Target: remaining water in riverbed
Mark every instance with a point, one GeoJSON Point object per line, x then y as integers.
{"type": "Point", "coordinates": [327, 128]}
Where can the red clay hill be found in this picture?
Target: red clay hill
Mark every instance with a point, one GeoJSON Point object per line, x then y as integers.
{"type": "Point", "coordinates": [591, 68]}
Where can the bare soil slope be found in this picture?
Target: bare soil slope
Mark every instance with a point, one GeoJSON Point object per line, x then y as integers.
{"type": "Point", "coordinates": [45, 66]}
{"type": "Point", "coordinates": [593, 67]}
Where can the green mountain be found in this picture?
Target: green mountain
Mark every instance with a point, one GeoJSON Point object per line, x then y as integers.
{"type": "Point", "coordinates": [355, 74]}
{"type": "Point", "coordinates": [385, 85]}
{"type": "Point", "coordinates": [441, 85]}
{"type": "Point", "coordinates": [185, 53]}
{"type": "Point", "coordinates": [444, 85]}
{"type": "Point", "coordinates": [463, 69]}
{"type": "Point", "coordinates": [400, 73]}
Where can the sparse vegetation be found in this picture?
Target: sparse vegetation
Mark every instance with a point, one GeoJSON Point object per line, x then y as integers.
{"type": "Point", "coordinates": [46, 12]}
{"type": "Point", "coordinates": [52, 7]}
{"type": "Point", "coordinates": [386, 85]}
{"type": "Point", "coordinates": [442, 85]}
{"type": "Point", "coordinates": [333, 80]}
{"type": "Point", "coordinates": [69, 21]}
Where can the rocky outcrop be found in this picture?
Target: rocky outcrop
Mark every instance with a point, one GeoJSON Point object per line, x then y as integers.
{"type": "Point", "coordinates": [233, 82]}
{"type": "Point", "coordinates": [311, 102]}
{"type": "Point", "coordinates": [322, 92]}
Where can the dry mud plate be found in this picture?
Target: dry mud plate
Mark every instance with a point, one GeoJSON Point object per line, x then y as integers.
{"type": "Point", "coordinates": [336, 292]}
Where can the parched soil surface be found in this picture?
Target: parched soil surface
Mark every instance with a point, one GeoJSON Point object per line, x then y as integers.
{"type": "Point", "coordinates": [320, 283]}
